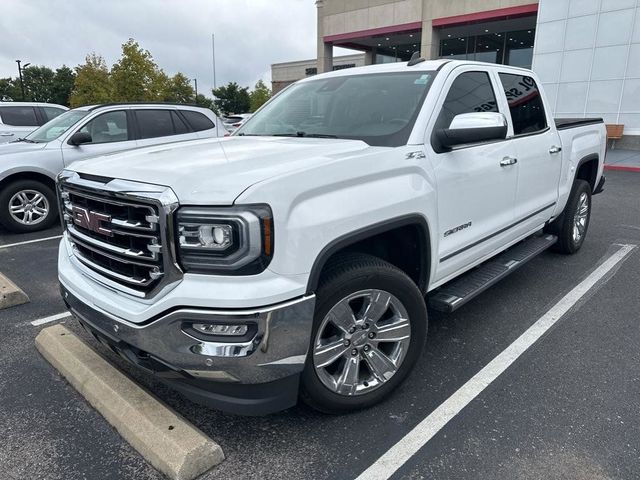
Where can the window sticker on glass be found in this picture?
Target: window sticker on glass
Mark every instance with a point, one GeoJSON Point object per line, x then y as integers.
{"type": "Point", "coordinates": [423, 80]}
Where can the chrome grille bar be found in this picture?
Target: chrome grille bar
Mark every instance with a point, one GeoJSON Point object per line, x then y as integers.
{"type": "Point", "coordinates": [115, 258]}
{"type": "Point", "coordinates": [121, 232]}
{"type": "Point", "coordinates": [77, 235]}
{"type": "Point", "coordinates": [122, 278]}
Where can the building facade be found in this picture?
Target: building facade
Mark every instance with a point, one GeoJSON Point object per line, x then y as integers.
{"type": "Point", "coordinates": [284, 74]}
{"type": "Point", "coordinates": [587, 52]}
{"type": "Point", "coordinates": [501, 31]}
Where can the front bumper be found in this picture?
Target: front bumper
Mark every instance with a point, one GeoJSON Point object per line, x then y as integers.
{"type": "Point", "coordinates": [253, 377]}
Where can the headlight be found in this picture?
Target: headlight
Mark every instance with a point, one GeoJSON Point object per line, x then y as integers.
{"type": "Point", "coordinates": [230, 241]}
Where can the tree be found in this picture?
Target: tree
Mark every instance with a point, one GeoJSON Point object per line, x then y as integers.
{"type": "Point", "coordinates": [92, 83]}
{"type": "Point", "coordinates": [41, 85]}
{"type": "Point", "coordinates": [38, 82]}
{"type": "Point", "coordinates": [178, 89]}
{"type": "Point", "coordinates": [206, 102]}
{"type": "Point", "coordinates": [62, 85]}
{"type": "Point", "coordinates": [232, 99]}
{"type": "Point", "coordinates": [136, 77]}
{"type": "Point", "coordinates": [259, 96]}
{"type": "Point", "coordinates": [9, 90]}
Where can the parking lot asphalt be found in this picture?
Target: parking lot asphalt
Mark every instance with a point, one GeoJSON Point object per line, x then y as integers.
{"type": "Point", "coordinates": [569, 407]}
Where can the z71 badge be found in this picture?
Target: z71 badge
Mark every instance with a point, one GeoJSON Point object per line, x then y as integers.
{"type": "Point", "coordinates": [457, 229]}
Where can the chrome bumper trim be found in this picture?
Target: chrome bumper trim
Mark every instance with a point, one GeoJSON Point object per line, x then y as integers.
{"type": "Point", "coordinates": [277, 350]}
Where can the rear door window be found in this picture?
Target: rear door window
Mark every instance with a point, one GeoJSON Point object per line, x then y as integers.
{"type": "Point", "coordinates": [19, 116]}
{"type": "Point", "coordinates": [525, 104]}
{"type": "Point", "coordinates": [155, 123]}
{"type": "Point", "coordinates": [178, 124]}
{"type": "Point", "coordinates": [197, 120]}
{"type": "Point", "coordinates": [51, 112]}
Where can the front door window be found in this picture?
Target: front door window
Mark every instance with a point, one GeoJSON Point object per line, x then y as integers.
{"type": "Point", "coordinates": [108, 127]}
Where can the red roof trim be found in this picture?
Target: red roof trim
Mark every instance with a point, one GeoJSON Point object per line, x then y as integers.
{"type": "Point", "coordinates": [404, 28]}
{"type": "Point", "coordinates": [499, 14]}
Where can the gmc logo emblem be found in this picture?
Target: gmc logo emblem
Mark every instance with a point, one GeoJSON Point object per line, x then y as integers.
{"type": "Point", "coordinates": [91, 220]}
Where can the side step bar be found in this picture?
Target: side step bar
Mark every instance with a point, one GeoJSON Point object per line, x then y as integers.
{"type": "Point", "coordinates": [459, 291]}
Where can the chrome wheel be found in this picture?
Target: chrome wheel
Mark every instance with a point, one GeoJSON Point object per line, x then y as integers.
{"type": "Point", "coordinates": [29, 207]}
{"type": "Point", "coordinates": [361, 342]}
{"type": "Point", "coordinates": [580, 218]}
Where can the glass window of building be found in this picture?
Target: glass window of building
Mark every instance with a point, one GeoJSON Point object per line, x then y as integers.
{"type": "Point", "coordinates": [396, 47]}
{"type": "Point", "coordinates": [507, 48]}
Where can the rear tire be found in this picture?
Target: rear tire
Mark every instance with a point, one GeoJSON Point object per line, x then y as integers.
{"type": "Point", "coordinates": [571, 227]}
{"type": "Point", "coordinates": [27, 206]}
{"type": "Point", "coordinates": [377, 339]}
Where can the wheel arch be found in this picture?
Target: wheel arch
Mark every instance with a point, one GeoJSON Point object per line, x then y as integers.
{"type": "Point", "coordinates": [376, 240]}
{"type": "Point", "coordinates": [28, 175]}
{"type": "Point", "coordinates": [587, 170]}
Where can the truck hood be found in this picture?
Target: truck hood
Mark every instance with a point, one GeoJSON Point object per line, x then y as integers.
{"type": "Point", "coordinates": [19, 147]}
{"type": "Point", "coordinates": [217, 171]}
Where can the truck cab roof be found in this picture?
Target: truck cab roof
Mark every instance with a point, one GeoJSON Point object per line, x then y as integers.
{"type": "Point", "coordinates": [427, 66]}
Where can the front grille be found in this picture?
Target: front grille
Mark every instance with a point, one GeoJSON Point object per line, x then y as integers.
{"type": "Point", "coordinates": [118, 237]}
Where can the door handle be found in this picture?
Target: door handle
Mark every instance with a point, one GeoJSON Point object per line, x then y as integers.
{"type": "Point", "coordinates": [506, 161]}
{"type": "Point", "coordinates": [555, 149]}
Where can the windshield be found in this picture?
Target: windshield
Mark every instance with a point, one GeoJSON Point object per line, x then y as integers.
{"type": "Point", "coordinates": [56, 127]}
{"type": "Point", "coordinates": [379, 108]}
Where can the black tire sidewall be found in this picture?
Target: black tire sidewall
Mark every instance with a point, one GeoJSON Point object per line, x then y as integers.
{"type": "Point", "coordinates": [10, 190]}
{"type": "Point", "coordinates": [391, 280]}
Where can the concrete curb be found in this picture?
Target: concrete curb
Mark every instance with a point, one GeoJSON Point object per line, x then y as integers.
{"type": "Point", "coordinates": [165, 439]}
{"type": "Point", "coordinates": [10, 294]}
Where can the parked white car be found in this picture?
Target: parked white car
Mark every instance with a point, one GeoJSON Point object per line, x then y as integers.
{"type": "Point", "coordinates": [28, 166]}
{"type": "Point", "coordinates": [18, 119]}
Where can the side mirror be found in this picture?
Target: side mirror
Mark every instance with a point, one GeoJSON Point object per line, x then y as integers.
{"type": "Point", "coordinates": [473, 128]}
{"type": "Point", "coordinates": [79, 138]}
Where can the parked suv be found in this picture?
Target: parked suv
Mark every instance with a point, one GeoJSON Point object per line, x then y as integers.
{"type": "Point", "coordinates": [28, 166]}
{"type": "Point", "coordinates": [295, 259]}
{"type": "Point", "coordinates": [18, 119]}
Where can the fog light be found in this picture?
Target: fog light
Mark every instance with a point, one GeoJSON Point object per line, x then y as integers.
{"type": "Point", "coordinates": [220, 329]}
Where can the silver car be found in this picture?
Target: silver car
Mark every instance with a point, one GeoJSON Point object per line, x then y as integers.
{"type": "Point", "coordinates": [28, 166]}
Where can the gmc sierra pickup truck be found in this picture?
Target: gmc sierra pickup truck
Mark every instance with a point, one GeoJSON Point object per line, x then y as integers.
{"type": "Point", "coordinates": [297, 258]}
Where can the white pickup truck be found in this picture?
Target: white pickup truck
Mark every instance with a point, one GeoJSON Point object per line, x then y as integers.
{"type": "Point", "coordinates": [297, 258]}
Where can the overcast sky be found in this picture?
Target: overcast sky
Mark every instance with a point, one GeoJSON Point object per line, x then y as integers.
{"type": "Point", "coordinates": [250, 35]}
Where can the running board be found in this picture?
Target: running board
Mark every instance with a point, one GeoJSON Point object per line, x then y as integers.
{"type": "Point", "coordinates": [459, 291]}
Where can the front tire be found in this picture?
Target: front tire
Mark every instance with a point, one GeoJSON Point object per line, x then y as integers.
{"type": "Point", "coordinates": [27, 206]}
{"type": "Point", "coordinates": [571, 227]}
{"type": "Point", "coordinates": [370, 327]}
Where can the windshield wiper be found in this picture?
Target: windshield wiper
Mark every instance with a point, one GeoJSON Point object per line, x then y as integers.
{"type": "Point", "coordinates": [304, 134]}
{"type": "Point", "coordinates": [28, 140]}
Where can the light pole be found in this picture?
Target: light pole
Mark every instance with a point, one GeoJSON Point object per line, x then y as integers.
{"type": "Point", "coordinates": [20, 75]}
{"type": "Point", "coordinates": [213, 57]}
{"type": "Point", "coordinates": [195, 81]}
